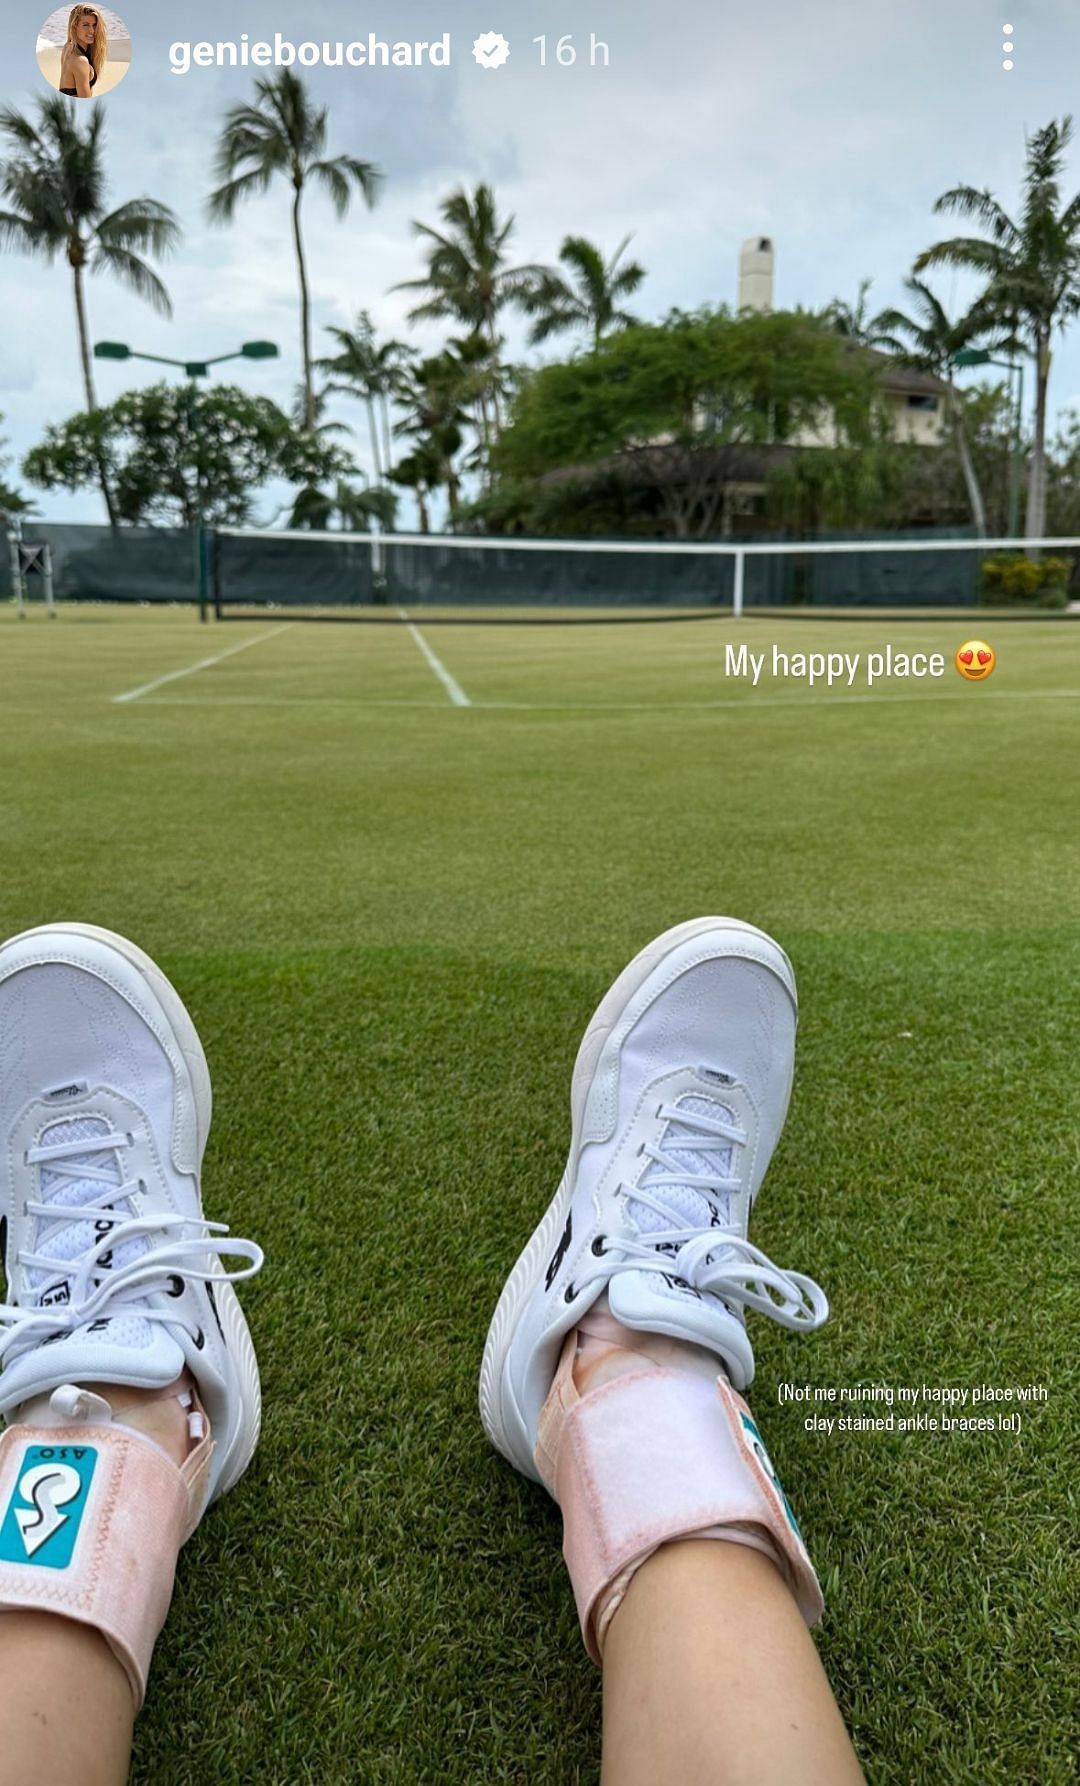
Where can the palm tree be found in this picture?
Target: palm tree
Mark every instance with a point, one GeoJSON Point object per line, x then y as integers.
{"type": "Point", "coordinates": [420, 471]}
{"type": "Point", "coordinates": [927, 340]}
{"type": "Point", "coordinates": [365, 368]}
{"type": "Point", "coordinates": [54, 179]}
{"type": "Point", "coordinates": [353, 509]}
{"type": "Point", "coordinates": [282, 133]}
{"type": "Point", "coordinates": [471, 372]}
{"type": "Point", "coordinates": [1032, 269]}
{"type": "Point", "coordinates": [853, 321]}
{"type": "Point", "coordinates": [590, 300]}
{"type": "Point", "coordinates": [468, 280]}
{"type": "Point", "coordinates": [432, 399]}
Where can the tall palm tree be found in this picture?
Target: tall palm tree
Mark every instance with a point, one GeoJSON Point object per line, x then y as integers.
{"type": "Point", "coordinates": [926, 339]}
{"type": "Point", "coordinates": [54, 179]}
{"type": "Point", "coordinates": [1032, 268]}
{"type": "Point", "coordinates": [282, 133]}
{"type": "Point", "coordinates": [468, 279]}
{"type": "Point", "coordinates": [590, 299]}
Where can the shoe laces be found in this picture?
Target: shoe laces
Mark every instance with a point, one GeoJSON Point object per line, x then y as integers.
{"type": "Point", "coordinates": [678, 1222]}
{"type": "Point", "coordinates": [132, 1257]}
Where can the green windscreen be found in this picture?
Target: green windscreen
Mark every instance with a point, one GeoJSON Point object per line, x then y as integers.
{"type": "Point", "coordinates": [328, 575]}
{"type": "Point", "coordinates": [122, 564]}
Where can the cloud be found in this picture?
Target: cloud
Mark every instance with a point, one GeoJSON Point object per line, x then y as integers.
{"type": "Point", "coordinates": [832, 129]}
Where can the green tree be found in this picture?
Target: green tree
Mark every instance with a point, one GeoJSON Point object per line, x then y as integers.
{"type": "Point", "coordinates": [842, 487]}
{"type": "Point", "coordinates": [590, 298]}
{"type": "Point", "coordinates": [673, 406]}
{"type": "Point", "coordinates": [283, 133]}
{"type": "Point", "coordinates": [174, 452]}
{"type": "Point", "coordinates": [468, 279]}
{"type": "Point", "coordinates": [433, 395]}
{"type": "Point", "coordinates": [472, 373]}
{"type": "Point", "coordinates": [13, 504]}
{"type": "Point", "coordinates": [926, 339]}
{"type": "Point", "coordinates": [420, 471]}
{"type": "Point", "coordinates": [351, 509]}
{"type": "Point", "coordinates": [1032, 270]}
{"type": "Point", "coordinates": [854, 321]}
{"type": "Point", "coordinates": [370, 370]}
{"type": "Point", "coordinates": [1063, 494]}
{"type": "Point", "coordinates": [54, 180]}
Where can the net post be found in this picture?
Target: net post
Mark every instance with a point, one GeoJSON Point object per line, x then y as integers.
{"type": "Point", "coordinates": [213, 554]}
{"type": "Point", "coordinates": [378, 569]}
{"type": "Point", "coordinates": [17, 586]}
{"type": "Point", "coordinates": [740, 581]}
{"type": "Point", "coordinates": [50, 602]}
{"type": "Point", "coordinates": [201, 578]}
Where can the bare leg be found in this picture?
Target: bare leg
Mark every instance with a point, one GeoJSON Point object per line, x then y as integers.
{"type": "Point", "coordinates": [66, 1708]}
{"type": "Point", "coordinates": [712, 1679]}
{"type": "Point", "coordinates": [65, 1704]}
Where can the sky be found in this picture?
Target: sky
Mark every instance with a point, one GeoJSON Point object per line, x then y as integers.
{"type": "Point", "coordinates": [832, 129]}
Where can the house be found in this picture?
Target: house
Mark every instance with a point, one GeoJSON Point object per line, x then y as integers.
{"type": "Point", "coordinates": [914, 401]}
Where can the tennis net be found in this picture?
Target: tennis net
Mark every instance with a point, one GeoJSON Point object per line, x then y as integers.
{"type": "Point", "coordinates": [462, 577]}
{"type": "Point", "coordinates": [340, 575]}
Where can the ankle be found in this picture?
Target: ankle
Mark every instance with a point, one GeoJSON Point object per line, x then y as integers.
{"type": "Point", "coordinates": [643, 1442]}
{"type": "Point", "coordinates": [172, 1418]}
{"type": "Point", "coordinates": [606, 1350]}
{"type": "Point", "coordinates": [598, 1352]}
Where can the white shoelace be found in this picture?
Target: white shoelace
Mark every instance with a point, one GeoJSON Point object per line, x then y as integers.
{"type": "Point", "coordinates": [715, 1259]}
{"type": "Point", "coordinates": [115, 1289]}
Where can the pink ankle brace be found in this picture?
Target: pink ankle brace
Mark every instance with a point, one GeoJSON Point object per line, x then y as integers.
{"type": "Point", "coordinates": [93, 1518]}
{"type": "Point", "coordinates": [651, 1457]}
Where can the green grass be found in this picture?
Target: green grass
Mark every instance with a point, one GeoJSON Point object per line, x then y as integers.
{"type": "Point", "coordinates": [391, 918]}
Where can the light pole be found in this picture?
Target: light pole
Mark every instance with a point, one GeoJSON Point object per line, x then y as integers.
{"type": "Point", "coordinates": [195, 369]}
{"type": "Point", "coordinates": [980, 356]}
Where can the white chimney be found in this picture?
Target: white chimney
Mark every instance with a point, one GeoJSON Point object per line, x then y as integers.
{"type": "Point", "coordinates": [756, 263]}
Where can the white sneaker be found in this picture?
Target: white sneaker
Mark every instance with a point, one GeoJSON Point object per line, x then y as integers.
{"type": "Point", "coordinates": [679, 1094]}
{"type": "Point", "coordinates": [113, 1274]}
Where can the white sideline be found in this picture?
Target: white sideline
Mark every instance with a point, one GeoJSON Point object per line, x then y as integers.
{"type": "Point", "coordinates": [204, 663]}
{"type": "Point", "coordinates": [747, 703]}
{"type": "Point", "coordinates": [454, 689]}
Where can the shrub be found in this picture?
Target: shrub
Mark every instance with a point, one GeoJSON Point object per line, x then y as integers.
{"type": "Point", "coordinates": [1013, 578]}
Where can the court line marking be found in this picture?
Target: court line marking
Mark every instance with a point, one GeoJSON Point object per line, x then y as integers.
{"type": "Point", "coordinates": [747, 702]}
{"type": "Point", "coordinates": [453, 688]}
{"type": "Point", "coordinates": [204, 663]}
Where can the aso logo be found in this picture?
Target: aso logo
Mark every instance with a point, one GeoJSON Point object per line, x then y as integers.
{"type": "Point", "coordinates": [43, 1515]}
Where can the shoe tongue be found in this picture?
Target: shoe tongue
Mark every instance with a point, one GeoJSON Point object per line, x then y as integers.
{"type": "Point", "coordinates": [691, 1206]}
{"type": "Point", "coordinates": [118, 1346]}
{"type": "Point", "coordinates": [65, 1239]}
{"type": "Point", "coordinates": [651, 1299]}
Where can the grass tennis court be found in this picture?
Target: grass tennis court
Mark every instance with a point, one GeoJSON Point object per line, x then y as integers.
{"type": "Point", "coordinates": [391, 915]}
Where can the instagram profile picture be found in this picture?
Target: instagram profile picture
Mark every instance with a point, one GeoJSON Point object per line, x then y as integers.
{"type": "Point", "coordinates": [84, 51]}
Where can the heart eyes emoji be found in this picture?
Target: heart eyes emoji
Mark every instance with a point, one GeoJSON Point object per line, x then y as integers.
{"type": "Point", "coordinates": [975, 660]}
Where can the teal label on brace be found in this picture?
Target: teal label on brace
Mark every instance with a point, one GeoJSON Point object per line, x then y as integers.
{"type": "Point", "coordinates": [758, 1444]}
{"type": "Point", "coordinates": [44, 1512]}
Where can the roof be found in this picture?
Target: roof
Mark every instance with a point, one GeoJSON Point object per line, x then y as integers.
{"type": "Point", "coordinates": [895, 376]}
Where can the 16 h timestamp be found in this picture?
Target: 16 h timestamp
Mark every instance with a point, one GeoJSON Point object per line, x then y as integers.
{"type": "Point", "coordinates": [563, 52]}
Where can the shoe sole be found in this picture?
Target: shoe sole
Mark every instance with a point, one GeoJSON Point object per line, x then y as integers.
{"type": "Point", "coordinates": [502, 1418]}
{"type": "Point", "coordinates": [238, 1343]}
